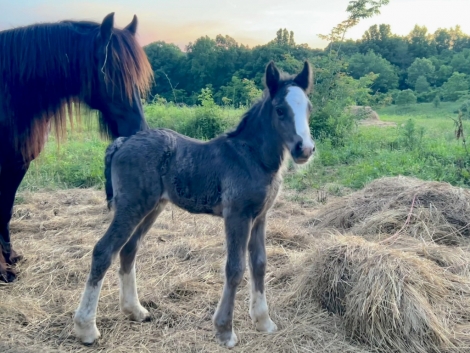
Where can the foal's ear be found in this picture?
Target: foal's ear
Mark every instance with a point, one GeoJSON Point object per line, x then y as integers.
{"type": "Point", "coordinates": [107, 27]}
{"type": "Point", "coordinates": [304, 79]}
{"type": "Point", "coordinates": [272, 78]}
{"type": "Point", "coordinates": [132, 27]}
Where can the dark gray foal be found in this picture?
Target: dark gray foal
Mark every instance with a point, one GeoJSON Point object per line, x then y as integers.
{"type": "Point", "coordinates": [236, 176]}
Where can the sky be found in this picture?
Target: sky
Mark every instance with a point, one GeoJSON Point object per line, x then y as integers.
{"type": "Point", "coordinates": [249, 22]}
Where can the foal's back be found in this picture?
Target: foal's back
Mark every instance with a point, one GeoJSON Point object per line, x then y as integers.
{"type": "Point", "coordinates": [200, 177]}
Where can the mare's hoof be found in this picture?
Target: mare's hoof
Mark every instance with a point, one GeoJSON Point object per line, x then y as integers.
{"type": "Point", "coordinates": [227, 339]}
{"type": "Point", "coordinates": [15, 257]}
{"type": "Point", "coordinates": [7, 274]}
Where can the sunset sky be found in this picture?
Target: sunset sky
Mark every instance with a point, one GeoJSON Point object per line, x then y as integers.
{"type": "Point", "coordinates": [250, 22]}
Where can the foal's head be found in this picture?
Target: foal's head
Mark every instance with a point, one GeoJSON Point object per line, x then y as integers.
{"type": "Point", "coordinates": [291, 110]}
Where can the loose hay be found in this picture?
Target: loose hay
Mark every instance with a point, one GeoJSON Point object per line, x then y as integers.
{"type": "Point", "coordinates": [391, 300]}
{"type": "Point", "coordinates": [441, 212]}
{"type": "Point", "coordinates": [411, 295]}
{"type": "Point", "coordinates": [179, 280]}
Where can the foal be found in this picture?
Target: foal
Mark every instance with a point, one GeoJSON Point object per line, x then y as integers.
{"type": "Point", "coordinates": [236, 176]}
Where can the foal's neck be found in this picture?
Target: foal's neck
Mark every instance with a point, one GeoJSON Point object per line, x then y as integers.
{"type": "Point", "coordinates": [256, 130]}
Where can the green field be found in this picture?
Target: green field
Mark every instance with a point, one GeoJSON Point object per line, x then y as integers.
{"type": "Point", "coordinates": [422, 144]}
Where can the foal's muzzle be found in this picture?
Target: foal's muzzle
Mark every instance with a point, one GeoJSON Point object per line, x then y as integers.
{"type": "Point", "coordinates": [301, 153]}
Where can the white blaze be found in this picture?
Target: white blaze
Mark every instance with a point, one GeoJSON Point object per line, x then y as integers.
{"type": "Point", "coordinates": [298, 102]}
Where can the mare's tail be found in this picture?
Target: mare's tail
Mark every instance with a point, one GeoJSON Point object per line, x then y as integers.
{"type": "Point", "coordinates": [110, 151]}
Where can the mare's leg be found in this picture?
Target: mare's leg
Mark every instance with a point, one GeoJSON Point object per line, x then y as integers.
{"type": "Point", "coordinates": [11, 176]}
{"type": "Point", "coordinates": [128, 298]}
{"type": "Point", "coordinates": [127, 217]}
{"type": "Point", "coordinates": [257, 253]}
{"type": "Point", "coordinates": [237, 229]}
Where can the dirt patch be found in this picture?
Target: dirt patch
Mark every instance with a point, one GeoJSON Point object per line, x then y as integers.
{"type": "Point", "coordinates": [376, 122]}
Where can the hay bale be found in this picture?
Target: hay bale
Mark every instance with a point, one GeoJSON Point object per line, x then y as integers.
{"type": "Point", "coordinates": [388, 299]}
{"type": "Point", "coordinates": [363, 112]}
{"type": "Point", "coordinates": [441, 212]}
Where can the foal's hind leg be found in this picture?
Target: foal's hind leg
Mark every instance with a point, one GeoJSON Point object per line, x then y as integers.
{"type": "Point", "coordinates": [237, 230]}
{"type": "Point", "coordinates": [258, 306]}
{"type": "Point", "coordinates": [128, 298]}
{"type": "Point", "coordinates": [124, 222]}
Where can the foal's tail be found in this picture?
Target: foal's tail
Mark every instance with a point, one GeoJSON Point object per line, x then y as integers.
{"type": "Point", "coordinates": [110, 151]}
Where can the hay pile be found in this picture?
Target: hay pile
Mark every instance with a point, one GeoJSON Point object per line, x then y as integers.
{"type": "Point", "coordinates": [179, 278]}
{"type": "Point", "coordinates": [327, 292]}
{"type": "Point", "coordinates": [430, 211]}
{"type": "Point", "coordinates": [363, 112]}
{"type": "Point", "coordinates": [390, 300]}
{"type": "Point", "coordinates": [395, 265]}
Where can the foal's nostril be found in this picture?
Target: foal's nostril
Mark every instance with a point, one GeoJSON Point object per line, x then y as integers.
{"type": "Point", "coordinates": [298, 146]}
{"type": "Point", "coordinates": [307, 151]}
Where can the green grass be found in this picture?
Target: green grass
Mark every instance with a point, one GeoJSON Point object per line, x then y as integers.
{"type": "Point", "coordinates": [422, 110]}
{"type": "Point", "coordinates": [78, 162]}
{"type": "Point", "coordinates": [370, 152]}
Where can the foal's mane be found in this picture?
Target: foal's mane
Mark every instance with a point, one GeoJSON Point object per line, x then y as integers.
{"type": "Point", "coordinates": [47, 69]}
{"type": "Point", "coordinates": [258, 107]}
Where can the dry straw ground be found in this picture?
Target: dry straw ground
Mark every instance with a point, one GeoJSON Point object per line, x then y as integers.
{"type": "Point", "coordinates": [395, 280]}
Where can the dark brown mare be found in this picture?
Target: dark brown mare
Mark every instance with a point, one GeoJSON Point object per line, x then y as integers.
{"type": "Point", "coordinates": [50, 70]}
{"type": "Point", "coordinates": [235, 176]}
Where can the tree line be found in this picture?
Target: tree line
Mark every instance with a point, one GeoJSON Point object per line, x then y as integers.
{"type": "Point", "coordinates": [385, 67]}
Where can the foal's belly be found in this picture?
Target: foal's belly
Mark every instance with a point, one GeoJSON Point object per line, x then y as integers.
{"type": "Point", "coordinates": [194, 196]}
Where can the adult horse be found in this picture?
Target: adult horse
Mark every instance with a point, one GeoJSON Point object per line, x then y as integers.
{"type": "Point", "coordinates": [50, 70]}
{"type": "Point", "coordinates": [235, 176]}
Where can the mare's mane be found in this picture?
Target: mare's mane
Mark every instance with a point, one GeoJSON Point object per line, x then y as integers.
{"type": "Point", "coordinates": [48, 69]}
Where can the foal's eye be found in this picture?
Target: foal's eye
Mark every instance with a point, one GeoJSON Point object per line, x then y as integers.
{"type": "Point", "coordinates": [280, 112]}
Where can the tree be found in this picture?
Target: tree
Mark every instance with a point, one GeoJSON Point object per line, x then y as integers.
{"type": "Point", "coordinates": [201, 62]}
{"type": "Point", "coordinates": [239, 92]}
{"type": "Point", "coordinates": [421, 44]}
{"type": "Point", "coordinates": [422, 85]}
{"type": "Point", "coordinates": [443, 74]}
{"type": "Point", "coordinates": [455, 86]}
{"type": "Point", "coordinates": [331, 96]}
{"type": "Point", "coordinates": [420, 67]}
{"type": "Point", "coordinates": [460, 40]}
{"type": "Point", "coordinates": [167, 61]}
{"type": "Point", "coordinates": [360, 65]}
{"type": "Point", "coordinates": [405, 97]}
{"type": "Point", "coordinates": [461, 62]}
{"type": "Point", "coordinates": [443, 40]}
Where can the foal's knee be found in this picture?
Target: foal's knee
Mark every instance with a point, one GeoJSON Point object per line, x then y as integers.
{"type": "Point", "coordinates": [234, 274]}
{"type": "Point", "coordinates": [258, 265]}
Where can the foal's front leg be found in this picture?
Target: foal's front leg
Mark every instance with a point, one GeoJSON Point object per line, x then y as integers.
{"type": "Point", "coordinates": [237, 229]}
{"type": "Point", "coordinates": [257, 251]}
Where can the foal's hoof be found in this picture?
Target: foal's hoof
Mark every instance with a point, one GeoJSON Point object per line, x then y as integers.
{"type": "Point", "coordinates": [227, 339]}
{"type": "Point", "coordinates": [87, 333]}
{"type": "Point", "coordinates": [139, 313]}
{"type": "Point", "coordinates": [267, 326]}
